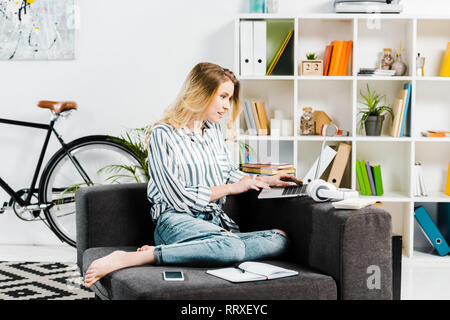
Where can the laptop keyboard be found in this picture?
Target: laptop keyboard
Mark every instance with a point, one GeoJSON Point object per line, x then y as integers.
{"type": "Point", "coordinates": [290, 190]}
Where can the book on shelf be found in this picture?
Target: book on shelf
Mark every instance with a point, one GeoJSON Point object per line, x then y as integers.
{"type": "Point", "coordinates": [396, 120]}
{"type": "Point", "coordinates": [262, 115]}
{"type": "Point", "coordinates": [267, 171]}
{"type": "Point", "coordinates": [435, 134]}
{"type": "Point", "coordinates": [339, 59]}
{"type": "Point", "coordinates": [326, 58]}
{"type": "Point", "coordinates": [371, 181]}
{"type": "Point", "coordinates": [431, 231]}
{"type": "Point", "coordinates": [359, 175]}
{"type": "Point", "coordinates": [365, 178]}
{"type": "Point", "coordinates": [419, 184]}
{"type": "Point", "coordinates": [328, 155]}
{"type": "Point", "coordinates": [245, 156]}
{"type": "Point", "coordinates": [270, 165]}
{"type": "Point", "coordinates": [406, 114]}
{"type": "Point", "coordinates": [401, 121]}
{"type": "Point", "coordinates": [373, 72]}
{"type": "Point", "coordinates": [256, 117]}
{"type": "Point", "coordinates": [445, 67]}
{"type": "Point", "coordinates": [365, 172]}
{"type": "Point", "coordinates": [447, 184]}
{"type": "Point", "coordinates": [345, 62]}
{"type": "Point", "coordinates": [249, 119]}
{"type": "Point", "coordinates": [339, 164]}
{"type": "Point", "coordinates": [285, 47]}
{"type": "Point", "coordinates": [376, 171]}
{"type": "Point", "coordinates": [252, 271]}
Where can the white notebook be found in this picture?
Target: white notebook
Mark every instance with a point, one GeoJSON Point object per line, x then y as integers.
{"type": "Point", "coordinates": [353, 203]}
{"type": "Point", "coordinates": [252, 271]}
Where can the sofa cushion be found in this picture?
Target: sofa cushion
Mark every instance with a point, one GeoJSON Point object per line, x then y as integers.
{"type": "Point", "coordinates": [146, 282]}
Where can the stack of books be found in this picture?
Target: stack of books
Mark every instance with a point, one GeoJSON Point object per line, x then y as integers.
{"type": "Point", "coordinates": [372, 72]}
{"type": "Point", "coordinates": [268, 168]}
{"type": "Point", "coordinates": [336, 58]}
{"type": "Point", "coordinates": [369, 178]}
{"type": "Point", "coordinates": [435, 134]}
{"type": "Point", "coordinates": [400, 109]}
{"type": "Point", "coordinates": [256, 118]}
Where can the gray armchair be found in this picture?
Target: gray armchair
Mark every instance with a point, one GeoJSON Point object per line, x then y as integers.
{"type": "Point", "coordinates": [339, 254]}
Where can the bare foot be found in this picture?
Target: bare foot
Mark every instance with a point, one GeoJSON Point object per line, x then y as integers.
{"type": "Point", "coordinates": [144, 248]}
{"type": "Point", "coordinates": [115, 261]}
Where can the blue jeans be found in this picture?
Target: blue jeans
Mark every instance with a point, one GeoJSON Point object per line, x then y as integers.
{"type": "Point", "coordinates": [182, 239]}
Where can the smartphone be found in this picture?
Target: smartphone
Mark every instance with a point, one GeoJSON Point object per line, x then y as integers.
{"type": "Point", "coordinates": [173, 276]}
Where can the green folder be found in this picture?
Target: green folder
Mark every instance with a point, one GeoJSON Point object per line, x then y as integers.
{"type": "Point", "coordinates": [360, 178]}
{"type": "Point", "coordinates": [362, 164]}
{"type": "Point", "coordinates": [377, 178]}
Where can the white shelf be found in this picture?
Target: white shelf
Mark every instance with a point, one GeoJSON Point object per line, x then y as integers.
{"type": "Point", "coordinates": [266, 138]}
{"type": "Point", "coordinates": [390, 197]}
{"type": "Point", "coordinates": [432, 78]}
{"type": "Point", "coordinates": [425, 139]}
{"type": "Point", "coordinates": [433, 197]}
{"type": "Point", "coordinates": [346, 78]}
{"type": "Point", "coordinates": [267, 78]}
{"type": "Point", "coordinates": [339, 97]}
{"type": "Point", "coordinates": [381, 78]}
{"type": "Point", "coordinates": [320, 138]}
{"type": "Point", "coordinates": [383, 139]}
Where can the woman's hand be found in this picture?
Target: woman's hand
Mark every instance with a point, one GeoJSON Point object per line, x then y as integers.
{"type": "Point", "coordinates": [244, 185]}
{"type": "Point", "coordinates": [281, 179]}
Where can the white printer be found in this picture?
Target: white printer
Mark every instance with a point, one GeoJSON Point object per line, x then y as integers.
{"type": "Point", "coordinates": [368, 6]}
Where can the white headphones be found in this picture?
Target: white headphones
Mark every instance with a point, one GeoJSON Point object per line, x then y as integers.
{"type": "Point", "coordinates": [321, 190]}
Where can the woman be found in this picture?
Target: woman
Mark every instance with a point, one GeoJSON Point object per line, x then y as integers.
{"type": "Point", "coordinates": [190, 176]}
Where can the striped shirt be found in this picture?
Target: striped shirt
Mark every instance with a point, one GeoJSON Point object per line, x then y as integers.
{"type": "Point", "coordinates": [184, 165]}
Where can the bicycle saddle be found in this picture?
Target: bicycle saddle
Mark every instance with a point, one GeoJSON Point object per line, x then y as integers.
{"type": "Point", "coordinates": [57, 106]}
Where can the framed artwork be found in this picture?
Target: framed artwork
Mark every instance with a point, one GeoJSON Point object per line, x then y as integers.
{"type": "Point", "coordinates": [37, 30]}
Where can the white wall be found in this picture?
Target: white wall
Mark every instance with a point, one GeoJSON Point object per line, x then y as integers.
{"type": "Point", "coordinates": [131, 59]}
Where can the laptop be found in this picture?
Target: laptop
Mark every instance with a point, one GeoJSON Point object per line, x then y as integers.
{"type": "Point", "coordinates": [293, 190]}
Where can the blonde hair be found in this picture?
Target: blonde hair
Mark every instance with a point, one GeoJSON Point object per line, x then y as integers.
{"type": "Point", "coordinates": [196, 94]}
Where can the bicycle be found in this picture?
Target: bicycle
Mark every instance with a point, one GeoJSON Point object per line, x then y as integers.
{"type": "Point", "coordinates": [77, 164]}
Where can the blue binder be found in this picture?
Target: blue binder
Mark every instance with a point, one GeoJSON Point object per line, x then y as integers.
{"type": "Point", "coordinates": [406, 116]}
{"type": "Point", "coordinates": [431, 231]}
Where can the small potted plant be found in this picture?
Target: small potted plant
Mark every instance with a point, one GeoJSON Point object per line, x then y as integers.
{"type": "Point", "coordinates": [312, 66]}
{"type": "Point", "coordinates": [373, 112]}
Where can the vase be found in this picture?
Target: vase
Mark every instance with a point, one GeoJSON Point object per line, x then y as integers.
{"type": "Point", "coordinates": [373, 125]}
{"type": "Point", "coordinates": [399, 66]}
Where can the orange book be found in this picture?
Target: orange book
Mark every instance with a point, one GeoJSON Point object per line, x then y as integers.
{"type": "Point", "coordinates": [340, 70]}
{"type": "Point", "coordinates": [327, 58]}
{"type": "Point", "coordinates": [447, 184]}
{"type": "Point", "coordinates": [437, 134]}
{"type": "Point", "coordinates": [348, 51]}
{"type": "Point", "coordinates": [336, 57]}
{"type": "Point", "coordinates": [256, 117]}
{"type": "Point", "coordinates": [262, 114]}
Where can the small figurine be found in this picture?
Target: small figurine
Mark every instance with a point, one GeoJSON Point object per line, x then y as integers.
{"type": "Point", "coordinates": [387, 60]}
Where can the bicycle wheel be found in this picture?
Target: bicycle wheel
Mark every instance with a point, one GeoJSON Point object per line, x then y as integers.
{"type": "Point", "coordinates": [88, 161]}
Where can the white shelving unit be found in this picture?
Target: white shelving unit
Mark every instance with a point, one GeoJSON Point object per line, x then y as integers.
{"type": "Point", "coordinates": [339, 97]}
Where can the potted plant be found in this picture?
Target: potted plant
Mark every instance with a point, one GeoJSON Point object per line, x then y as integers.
{"type": "Point", "coordinates": [312, 66]}
{"type": "Point", "coordinates": [373, 112]}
